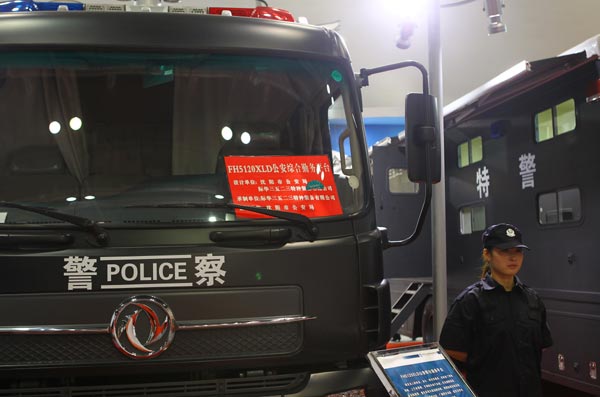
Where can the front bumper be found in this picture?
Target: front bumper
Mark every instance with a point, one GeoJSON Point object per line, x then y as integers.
{"type": "Point", "coordinates": [290, 385]}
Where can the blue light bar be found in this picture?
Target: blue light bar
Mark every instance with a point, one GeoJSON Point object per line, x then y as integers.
{"type": "Point", "coordinates": [53, 5]}
{"type": "Point", "coordinates": [17, 5]}
{"type": "Point", "coordinates": [30, 5]}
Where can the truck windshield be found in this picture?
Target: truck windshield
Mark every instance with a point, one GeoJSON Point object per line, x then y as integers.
{"type": "Point", "coordinates": [112, 136]}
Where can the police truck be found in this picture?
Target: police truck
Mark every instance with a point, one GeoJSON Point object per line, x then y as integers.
{"type": "Point", "coordinates": [522, 148]}
{"type": "Point", "coordinates": [186, 207]}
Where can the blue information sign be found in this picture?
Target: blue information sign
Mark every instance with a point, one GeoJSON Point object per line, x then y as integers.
{"type": "Point", "coordinates": [419, 371]}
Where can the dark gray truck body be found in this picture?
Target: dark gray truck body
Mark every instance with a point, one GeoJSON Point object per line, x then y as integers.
{"type": "Point", "coordinates": [57, 341]}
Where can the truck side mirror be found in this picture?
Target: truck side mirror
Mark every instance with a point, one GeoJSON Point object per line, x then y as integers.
{"type": "Point", "coordinates": [422, 138]}
{"type": "Point", "coordinates": [423, 152]}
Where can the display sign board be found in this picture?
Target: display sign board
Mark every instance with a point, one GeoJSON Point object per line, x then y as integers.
{"type": "Point", "coordinates": [419, 371]}
{"type": "Point", "coordinates": [300, 184]}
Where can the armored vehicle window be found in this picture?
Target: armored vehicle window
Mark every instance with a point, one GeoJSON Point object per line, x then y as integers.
{"type": "Point", "coordinates": [561, 206]}
{"type": "Point", "coordinates": [476, 149]}
{"type": "Point", "coordinates": [543, 126]}
{"type": "Point", "coordinates": [565, 117]}
{"type": "Point", "coordinates": [463, 154]}
{"type": "Point", "coordinates": [398, 182]}
{"type": "Point", "coordinates": [470, 152]}
{"type": "Point", "coordinates": [472, 219]}
{"type": "Point", "coordinates": [555, 121]}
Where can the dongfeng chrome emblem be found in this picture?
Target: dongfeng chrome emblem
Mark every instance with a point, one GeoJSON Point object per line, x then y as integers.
{"type": "Point", "coordinates": [142, 327]}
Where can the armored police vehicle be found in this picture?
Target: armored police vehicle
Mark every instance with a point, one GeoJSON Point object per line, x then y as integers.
{"type": "Point", "coordinates": [185, 205]}
{"type": "Point", "coordinates": [522, 149]}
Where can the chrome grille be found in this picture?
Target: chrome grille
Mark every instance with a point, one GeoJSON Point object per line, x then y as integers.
{"type": "Point", "coordinates": [43, 350]}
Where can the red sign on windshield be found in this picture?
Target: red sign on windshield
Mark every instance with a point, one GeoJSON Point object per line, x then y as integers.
{"type": "Point", "coordinates": [301, 184]}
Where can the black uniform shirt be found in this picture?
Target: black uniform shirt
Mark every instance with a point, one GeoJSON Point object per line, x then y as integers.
{"type": "Point", "coordinates": [503, 334]}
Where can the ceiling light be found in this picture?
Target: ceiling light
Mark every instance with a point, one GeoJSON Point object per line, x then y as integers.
{"type": "Point", "coordinates": [493, 9]}
{"type": "Point", "coordinates": [75, 123]}
{"type": "Point", "coordinates": [226, 133]}
{"type": "Point", "coordinates": [54, 127]}
{"type": "Point", "coordinates": [246, 138]}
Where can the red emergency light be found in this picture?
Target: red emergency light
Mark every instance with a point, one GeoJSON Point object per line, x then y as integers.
{"type": "Point", "coordinates": [258, 12]}
{"type": "Point", "coordinates": [592, 91]}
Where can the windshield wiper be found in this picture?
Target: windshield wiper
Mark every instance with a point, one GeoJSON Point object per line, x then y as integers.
{"type": "Point", "coordinates": [84, 223]}
{"type": "Point", "coordinates": [303, 220]}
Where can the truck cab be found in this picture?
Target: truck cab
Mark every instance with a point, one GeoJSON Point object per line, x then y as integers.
{"type": "Point", "coordinates": [186, 208]}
